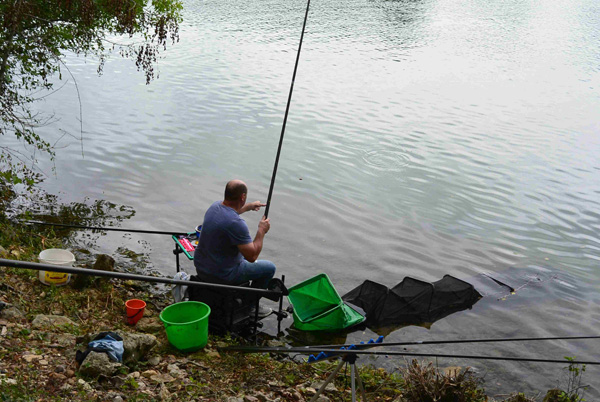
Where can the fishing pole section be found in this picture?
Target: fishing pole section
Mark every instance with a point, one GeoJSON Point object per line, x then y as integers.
{"type": "Point", "coordinates": [318, 353]}
{"type": "Point", "coordinates": [110, 229]}
{"type": "Point", "coordinates": [287, 110]}
{"type": "Point", "coordinates": [457, 341]}
{"type": "Point", "coordinates": [348, 354]}
{"type": "Point", "coordinates": [184, 242]}
{"type": "Point", "coordinates": [127, 276]}
{"type": "Point", "coordinates": [275, 292]}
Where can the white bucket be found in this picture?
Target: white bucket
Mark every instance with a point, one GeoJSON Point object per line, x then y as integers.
{"type": "Point", "coordinates": [56, 256]}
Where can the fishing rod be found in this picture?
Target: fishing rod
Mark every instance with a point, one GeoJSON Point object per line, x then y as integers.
{"type": "Point", "coordinates": [287, 109]}
{"type": "Point", "coordinates": [136, 277]}
{"type": "Point", "coordinates": [113, 229]}
{"type": "Point", "coordinates": [338, 352]}
{"type": "Point", "coordinates": [417, 343]}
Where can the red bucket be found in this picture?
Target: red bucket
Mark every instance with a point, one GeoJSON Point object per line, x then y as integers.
{"type": "Point", "coordinates": [135, 310]}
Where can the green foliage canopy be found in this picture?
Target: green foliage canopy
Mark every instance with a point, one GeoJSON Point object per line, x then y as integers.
{"type": "Point", "coordinates": [35, 35]}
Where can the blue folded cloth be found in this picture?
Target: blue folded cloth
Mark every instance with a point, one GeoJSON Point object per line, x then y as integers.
{"type": "Point", "coordinates": [111, 346]}
{"type": "Point", "coordinates": [105, 342]}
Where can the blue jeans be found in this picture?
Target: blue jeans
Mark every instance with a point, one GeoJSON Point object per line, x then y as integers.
{"type": "Point", "coordinates": [259, 272]}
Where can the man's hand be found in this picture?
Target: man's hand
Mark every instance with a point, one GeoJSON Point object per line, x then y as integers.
{"type": "Point", "coordinates": [252, 206]}
{"type": "Point", "coordinates": [251, 251]}
{"type": "Point", "coordinates": [264, 225]}
{"type": "Point", "coordinates": [255, 206]}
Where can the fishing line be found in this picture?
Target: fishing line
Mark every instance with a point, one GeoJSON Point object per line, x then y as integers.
{"type": "Point", "coordinates": [104, 228]}
{"type": "Point", "coordinates": [287, 109]}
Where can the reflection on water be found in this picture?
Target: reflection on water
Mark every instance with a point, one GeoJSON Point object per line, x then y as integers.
{"type": "Point", "coordinates": [424, 138]}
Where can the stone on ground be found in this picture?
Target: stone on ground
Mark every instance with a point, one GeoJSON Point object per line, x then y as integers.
{"type": "Point", "coordinates": [12, 314]}
{"type": "Point", "coordinates": [98, 364]}
{"type": "Point", "coordinates": [136, 345]}
{"type": "Point", "coordinates": [149, 325]}
{"type": "Point", "coordinates": [329, 388]}
{"type": "Point", "coordinates": [103, 263]}
{"type": "Point", "coordinates": [42, 321]}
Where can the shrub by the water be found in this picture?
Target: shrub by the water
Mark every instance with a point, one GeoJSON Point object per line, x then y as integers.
{"type": "Point", "coordinates": [425, 383]}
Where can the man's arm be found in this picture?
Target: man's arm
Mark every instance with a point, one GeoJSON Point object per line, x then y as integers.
{"type": "Point", "coordinates": [251, 251]}
{"type": "Point", "coordinates": [252, 206]}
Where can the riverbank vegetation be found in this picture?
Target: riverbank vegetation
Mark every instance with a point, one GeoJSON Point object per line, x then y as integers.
{"type": "Point", "coordinates": [42, 327]}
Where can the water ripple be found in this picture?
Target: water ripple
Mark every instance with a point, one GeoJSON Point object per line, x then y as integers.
{"type": "Point", "coordinates": [387, 160]}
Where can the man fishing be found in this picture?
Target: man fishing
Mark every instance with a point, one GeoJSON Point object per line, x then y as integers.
{"type": "Point", "coordinates": [226, 253]}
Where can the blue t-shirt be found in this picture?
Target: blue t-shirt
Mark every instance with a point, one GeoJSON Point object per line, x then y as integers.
{"type": "Point", "coordinates": [223, 230]}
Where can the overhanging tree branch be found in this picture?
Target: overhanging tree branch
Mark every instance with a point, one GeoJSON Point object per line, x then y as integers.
{"type": "Point", "coordinates": [36, 34]}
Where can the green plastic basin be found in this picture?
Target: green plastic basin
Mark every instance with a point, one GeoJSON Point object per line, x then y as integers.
{"type": "Point", "coordinates": [186, 324]}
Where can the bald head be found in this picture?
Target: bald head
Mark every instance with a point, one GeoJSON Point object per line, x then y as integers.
{"type": "Point", "coordinates": [234, 190]}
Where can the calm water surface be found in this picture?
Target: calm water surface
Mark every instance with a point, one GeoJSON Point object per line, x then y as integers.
{"type": "Point", "coordinates": [425, 138]}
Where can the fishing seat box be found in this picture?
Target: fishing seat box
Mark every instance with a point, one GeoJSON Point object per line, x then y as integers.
{"type": "Point", "coordinates": [230, 310]}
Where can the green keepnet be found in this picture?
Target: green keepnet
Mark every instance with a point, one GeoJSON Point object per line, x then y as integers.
{"type": "Point", "coordinates": [318, 307]}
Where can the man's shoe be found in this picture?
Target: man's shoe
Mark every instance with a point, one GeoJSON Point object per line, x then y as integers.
{"type": "Point", "coordinates": [262, 311]}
